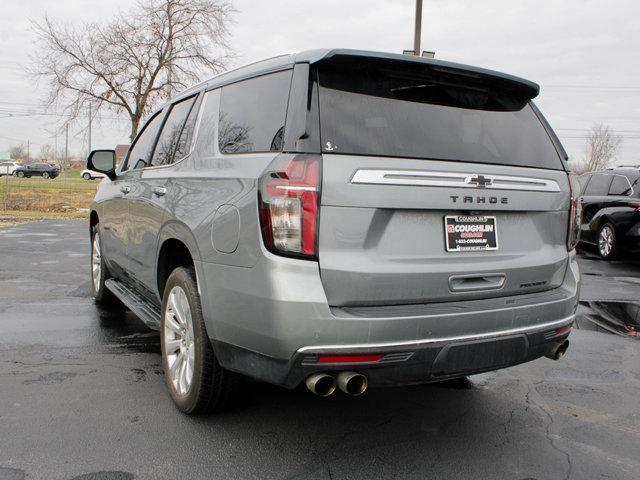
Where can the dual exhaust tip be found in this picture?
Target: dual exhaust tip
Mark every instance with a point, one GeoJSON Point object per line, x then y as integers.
{"type": "Point", "coordinates": [324, 385]}
{"type": "Point", "coordinates": [558, 351]}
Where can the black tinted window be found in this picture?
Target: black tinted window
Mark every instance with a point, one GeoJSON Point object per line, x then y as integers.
{"type": "Point", "coordinates": [598, 185]}
{"type": "Point", "coordinates": [582, 180]}
{"type": "Point", "coordinates": [402, 109]}
{"type": "Point", "coordinates": [252, 114]}
{"type": "Point", "coordinates": [170, 144]}
{"type": "Point", "coordinates": [141, 150]}
{"type": "Point", "coordinates": [620, 186]}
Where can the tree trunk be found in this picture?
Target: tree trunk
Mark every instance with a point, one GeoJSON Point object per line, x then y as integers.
{"type": "Point", "coordinates": [135, 121]}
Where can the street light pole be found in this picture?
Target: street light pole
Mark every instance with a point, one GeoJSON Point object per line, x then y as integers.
{"type": "Point", "coordinates": [418, 29]}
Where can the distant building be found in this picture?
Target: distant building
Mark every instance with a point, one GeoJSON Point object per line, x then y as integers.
{"type": "Point", "coordinates": [121, 151]}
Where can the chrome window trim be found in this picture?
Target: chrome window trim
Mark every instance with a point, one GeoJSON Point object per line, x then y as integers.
{"type": "Point", "coordinates": [417, 343]}
{"type": "Point", "coordinates": [424, 178]}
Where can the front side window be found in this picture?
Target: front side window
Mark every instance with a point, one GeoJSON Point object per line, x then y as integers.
{"type": "Point", "coordinates": [140, 152]}
{"type": "Point", "coordinates": [620, 186]}
{"type": "Point", "coordinates": [598, 185]}
{"type": "Point", "coordinates": [252, 114]}
{"type": "Point", "coordinates": [171, 144]}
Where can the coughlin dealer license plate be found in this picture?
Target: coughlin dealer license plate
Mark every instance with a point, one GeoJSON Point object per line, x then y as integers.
{"type": "Point", "coordinates": [465, 233]}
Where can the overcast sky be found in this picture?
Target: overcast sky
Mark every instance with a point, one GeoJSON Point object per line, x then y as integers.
{"type": "Point", "coordinates": [584, 54]}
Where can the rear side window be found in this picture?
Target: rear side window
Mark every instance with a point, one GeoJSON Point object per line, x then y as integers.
{"type": "Point", "coordinates": [140, 152]}
{"type": "Point", "coordinates": [405, 109]}
{"type": "Point", "coordinates": [620, 186]}
{"type": "Point", "coordinates": [598, 185]}
{"type": "Point", "coordinates": [252, 114]}
{"type": "Point", "coordinates": [582, 180]}
{"type": "Point", "coordinates": [170, 143]}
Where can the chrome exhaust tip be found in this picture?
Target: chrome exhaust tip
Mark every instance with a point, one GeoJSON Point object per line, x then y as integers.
{"type": "Point", "coordinates": [352, 383]}
{"type": "Point", "coordinates": [558, 351]}
{"type": "Point", "coordinates": [321, 384]}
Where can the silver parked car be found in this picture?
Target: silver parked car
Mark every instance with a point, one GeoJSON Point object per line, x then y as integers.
{"type": "Point", "coordinates": [90, 174]}
{"type": "Point", "coordinates": [342, 219]}
{"type": "Point", "coordinates": [8, 167]}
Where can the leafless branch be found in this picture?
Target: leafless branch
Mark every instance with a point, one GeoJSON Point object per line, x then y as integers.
{"type": "Point", "coordinates": [134, 61]}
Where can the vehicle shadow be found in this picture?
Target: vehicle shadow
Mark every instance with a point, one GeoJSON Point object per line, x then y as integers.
{"type": "Point", "coordinates": [398, 432]}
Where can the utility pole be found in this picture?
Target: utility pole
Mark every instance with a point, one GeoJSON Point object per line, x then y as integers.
{"type": "Point", "coordinates": [418, 29]}
{"type": "Point", "coordinates": [89, 131]}
{"type": "Point", "coordinates": [28, 151]}
{"type": "Point", "coordinates": [66, 143]}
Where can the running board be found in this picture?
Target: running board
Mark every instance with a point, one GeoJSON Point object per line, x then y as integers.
{"type": "Point", "coordinates": [145, 310]}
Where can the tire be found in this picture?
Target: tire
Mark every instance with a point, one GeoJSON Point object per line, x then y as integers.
{"type": "Point", "coordinates": [45, 175]}
{"type": "Point", "coordinates": [210, 388]}
{"type": "Point", "coordinates": [86, 176]}
{"type": "Point", "coordinates": [607, 242]}
{"type": "Point", "coordinates": [19, 174]}
{"type": "Point", "coordinates": [99, 272]}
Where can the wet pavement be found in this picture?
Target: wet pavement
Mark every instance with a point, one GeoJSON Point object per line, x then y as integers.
{"type": "Point", "coordinates": [82, 396]}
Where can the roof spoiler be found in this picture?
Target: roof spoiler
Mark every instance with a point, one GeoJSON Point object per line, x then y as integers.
{"type": "Point", "coordinates": [521, 87]}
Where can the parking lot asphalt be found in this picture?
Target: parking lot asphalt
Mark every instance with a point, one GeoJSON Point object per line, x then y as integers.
{"type": "Point", "coordinates": [82, 397]}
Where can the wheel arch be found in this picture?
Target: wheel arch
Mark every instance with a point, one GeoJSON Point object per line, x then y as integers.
{"type": "Point", "coordinates": [177, 247]}
{"type": "Point", "coordinates": [93, 220]}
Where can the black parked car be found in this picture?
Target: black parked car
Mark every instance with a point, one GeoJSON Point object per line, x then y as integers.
{"type": "Point", "coordinates": [44, 170]}
{"type": "Point", "coordinates": [611, 210]}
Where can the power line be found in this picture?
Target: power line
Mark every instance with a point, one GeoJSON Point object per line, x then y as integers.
{"type": "Point", "coordinates": [593, 87]}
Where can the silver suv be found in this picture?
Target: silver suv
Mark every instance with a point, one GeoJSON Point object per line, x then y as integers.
{"type": "Point", "coordinates": [342, 219]}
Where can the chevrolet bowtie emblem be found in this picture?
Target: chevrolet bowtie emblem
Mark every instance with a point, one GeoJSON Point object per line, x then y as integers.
{"type": "Point", "coordinates": [479, 180]}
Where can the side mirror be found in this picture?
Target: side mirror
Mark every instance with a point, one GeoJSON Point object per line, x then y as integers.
{"type": "Point", "coordinates": [103, 161]}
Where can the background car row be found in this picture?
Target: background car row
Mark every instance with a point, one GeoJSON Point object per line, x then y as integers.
{"type": "Point", "coordinates": [611, 211]}
{"type": "Point", "coordinates": [44, 170]}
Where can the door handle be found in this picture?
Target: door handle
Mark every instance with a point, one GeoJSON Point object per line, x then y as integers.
{"type": "Point", "coordinates": [125, 189]}
{"type": "Point", "coordinates": [159, 191]}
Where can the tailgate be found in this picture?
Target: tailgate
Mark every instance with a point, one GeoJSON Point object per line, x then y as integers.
{"type": "Point", "coordinates": [382, 237]}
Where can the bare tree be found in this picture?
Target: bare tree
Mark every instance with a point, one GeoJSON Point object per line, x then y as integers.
{"type": "Point", "coordinates": [47, 152]}
{"type": "Point", "coordinates": [134, 61]}
{"type": "Point", "coordinates": [18, 152]}
{"type": "Point", "coordinates": [601, 149]}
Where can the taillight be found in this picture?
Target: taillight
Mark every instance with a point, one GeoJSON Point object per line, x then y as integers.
{"type": "Point", "coordinates": [635, 206]}
{"type": "Point", "coordinates": [575, 213]}
{"type": "Point", "coordinates": [288, 197]}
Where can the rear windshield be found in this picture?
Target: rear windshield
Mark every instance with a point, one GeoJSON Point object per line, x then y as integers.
{"type": "Point", "coordinates": [408, 110]}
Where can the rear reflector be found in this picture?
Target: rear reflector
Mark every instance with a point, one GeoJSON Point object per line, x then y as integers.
{"type": "Point", "coordinates": [350, 358]}
{"type": "Point", "coordinates": [563, 330]}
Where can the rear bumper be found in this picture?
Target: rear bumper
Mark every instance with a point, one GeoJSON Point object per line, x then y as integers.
{"type": "Point", "coordinates": [273, 323]}
{"type": "Point", "coordinates": [426, 361]}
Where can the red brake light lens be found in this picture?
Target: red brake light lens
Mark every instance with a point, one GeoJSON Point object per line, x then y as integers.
{"type": "Point", "coordinates": [289, 205]}
{"type": "Point", "coordinates": [575, 213]}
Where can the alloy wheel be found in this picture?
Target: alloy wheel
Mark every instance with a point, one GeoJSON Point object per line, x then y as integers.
{"type": "Point", "coordinates": [605, 241]}
{"type": "Point", "coordinates": [96, 263]}
{"type": "Point", "coordinates": [178, 340]}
